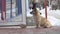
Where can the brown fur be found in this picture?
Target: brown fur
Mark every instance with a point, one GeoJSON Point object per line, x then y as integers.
{"type": "Point", "coordinates": [40, 20]}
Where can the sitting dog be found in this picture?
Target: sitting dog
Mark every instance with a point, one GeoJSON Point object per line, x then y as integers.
{"type": "Point", "coordinates": [40, 21]}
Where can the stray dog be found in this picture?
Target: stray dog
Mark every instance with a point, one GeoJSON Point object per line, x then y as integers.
{"type": "Point", "coordinates": [40, 21]}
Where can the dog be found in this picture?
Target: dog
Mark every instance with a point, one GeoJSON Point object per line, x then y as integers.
{"type": "Point", "coordinates": [40, 20]}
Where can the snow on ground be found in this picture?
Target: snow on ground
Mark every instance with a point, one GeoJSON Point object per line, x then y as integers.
{"type": "Point", "coordinates": [54, 21]}
{"type": "Point", "coordinates": [53, 16]}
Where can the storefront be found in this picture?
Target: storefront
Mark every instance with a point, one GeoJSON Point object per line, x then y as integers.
{"type": "Point", "coordinates": [12, 12]}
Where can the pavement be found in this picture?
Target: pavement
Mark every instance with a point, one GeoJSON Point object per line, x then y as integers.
{"type": "Point", "coordinates": [52, 30]}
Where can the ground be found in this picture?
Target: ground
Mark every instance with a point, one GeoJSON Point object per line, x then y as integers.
{"type": "Point", "coordinates": [53, 30]}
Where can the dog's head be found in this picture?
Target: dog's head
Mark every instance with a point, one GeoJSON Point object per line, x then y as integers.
{"type": "Point", "coordinates": [34, 12]}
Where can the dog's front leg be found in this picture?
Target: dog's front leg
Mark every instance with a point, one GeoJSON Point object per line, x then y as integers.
{"type": "Point", "coordinates": [37, 24]}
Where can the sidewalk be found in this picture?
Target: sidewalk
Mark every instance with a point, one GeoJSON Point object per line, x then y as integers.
{"type": "Point", "coordinates": [53, 30]}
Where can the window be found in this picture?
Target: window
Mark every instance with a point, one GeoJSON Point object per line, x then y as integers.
{"type": "Point", "coordinates": [13, 12]}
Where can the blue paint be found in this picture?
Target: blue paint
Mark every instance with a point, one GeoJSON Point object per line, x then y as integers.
{"type": "Point", "coordinates": [11, 9]}
{"type": "Point", "coordinates": [19, 7]}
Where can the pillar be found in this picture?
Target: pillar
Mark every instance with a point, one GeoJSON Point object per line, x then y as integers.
{"type": "Point", "coordinates": [45, 5]}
